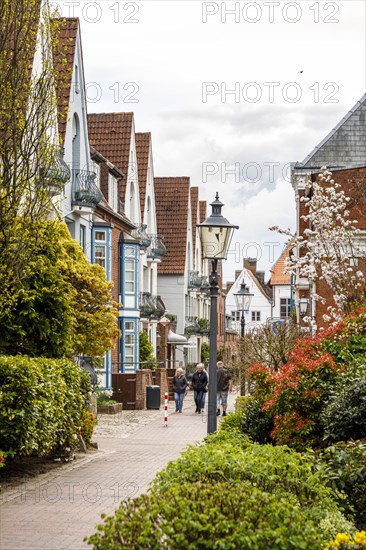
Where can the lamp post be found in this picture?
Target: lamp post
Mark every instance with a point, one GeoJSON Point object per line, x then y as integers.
{"type": "Point", "coordinates": [243, 299]}
{"type": "Point", "coordinates": [216, 234]}
{"type": "Point", "coordinates": [303, 306]}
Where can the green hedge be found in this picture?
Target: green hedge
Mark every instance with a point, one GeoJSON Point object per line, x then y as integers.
{"type": "Point", "coordinates": [41, 404]}
{"type": "Point", "coordinates": [229, 493]}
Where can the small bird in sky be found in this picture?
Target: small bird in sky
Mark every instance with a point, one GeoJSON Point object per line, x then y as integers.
{"type": "Point", "coordinates": [301, 71]}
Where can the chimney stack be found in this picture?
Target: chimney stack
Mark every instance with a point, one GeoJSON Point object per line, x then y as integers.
{"type": "Point", "coordinates": [251, 264]}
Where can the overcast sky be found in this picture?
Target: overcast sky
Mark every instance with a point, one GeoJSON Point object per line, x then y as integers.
{"type": "Point", "coordinates": [294, 70]}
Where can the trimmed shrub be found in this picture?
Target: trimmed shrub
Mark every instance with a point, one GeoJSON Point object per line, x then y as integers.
{"type": "Point", "coordinates": [41, 404]}
{"type": "Point", "coordinates": [241, 402]}
{"type": "Point", "coordinates": [232, 422]}
{"type": "Point", "coordinates": [229, 493]}
{"type": "Point", "coordinates": [201, 516]}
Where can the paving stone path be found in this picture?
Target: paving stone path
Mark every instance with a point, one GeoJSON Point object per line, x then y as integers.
{"type": "Point", "coordinates": [56, 510]}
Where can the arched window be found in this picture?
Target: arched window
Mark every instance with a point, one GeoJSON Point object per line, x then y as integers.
{"type": "Point", "coordinates": [149, 216]}
{"type": "Point", "coordinates": [132, 202]}
{"type": "Point", "coordinates": [75, 142]}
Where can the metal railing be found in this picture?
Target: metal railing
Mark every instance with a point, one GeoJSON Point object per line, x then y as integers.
{"type": "Point", "coordinates": [157, 249]}
{"type": "Point", "coordinates": [141, 236]}
{"type": "Point", "coordinates": [151, 307]}
{"type": "Point", "coordinates": [84, 190]}
{"type": "Point", "coordinates": [196, 326]}
{"type": "Point", "coordinates": [56, 174]}
{"type": "Point", "coordinates": [194, 280]}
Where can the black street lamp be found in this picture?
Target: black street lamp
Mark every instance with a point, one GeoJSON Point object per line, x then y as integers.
{"type": "Point", "coordinates": [303, 306]}
{"type": "Point", "coordinates": [243, 300]}
{"type": "Point", "coordinates": [216, 234]}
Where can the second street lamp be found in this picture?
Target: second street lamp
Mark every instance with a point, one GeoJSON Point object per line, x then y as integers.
{"type": "Point", "coordinates": [216, 234]}
{"type": "Point", "coordinates": [303, 306]}
{"type": "Point", "coordinates": [243, 299]}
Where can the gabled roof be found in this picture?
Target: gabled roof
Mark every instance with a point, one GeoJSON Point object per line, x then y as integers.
{"type": "Point", "coordinates": [345, 145]}
{"type": "Point", "coordinates": [258, 284]}
{"type": "Point", "coordinates": [65, 32]}
{"type": "Point", "coordinates": [203, 211]}
{"type": "Point", "coordinates": [194, 212]}
{"type": "Point", "coordinates": [110, 133]}
{"type": "Point", "coordinates": [278, 275]}
{"type": "Point", "coordinates": [171, 199]}
{"type": "Point", "coordinates": [143, 143]}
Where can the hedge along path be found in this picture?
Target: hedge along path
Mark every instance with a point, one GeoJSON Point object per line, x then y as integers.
{"type": "Point", "coordinates": [126, 468]}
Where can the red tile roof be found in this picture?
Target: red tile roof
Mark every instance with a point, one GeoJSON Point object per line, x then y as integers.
{"type": "Point", "coordinates": [64, 32]}
{"type": "Point", "coordinates": [258, 284]}
{"type": "Point", "coordinates": [171, 198]}
{"type": "Point", "coordinates": [110, 133]}
{"type": "Point", "coordinates": [278, 275]}
{"type": "Point", "coordinates": [194, 211]}
{"type": "Point", "coordinates": [143, 144]}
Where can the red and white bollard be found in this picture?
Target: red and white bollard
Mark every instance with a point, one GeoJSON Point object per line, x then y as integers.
{"type": "Point", "coordinates": [166, 397]}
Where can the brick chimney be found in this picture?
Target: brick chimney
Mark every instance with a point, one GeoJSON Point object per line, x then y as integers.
{"type": "Point", "coordinates": [251, 264]}
{"type": "Point", "coordinates": [237, 274]}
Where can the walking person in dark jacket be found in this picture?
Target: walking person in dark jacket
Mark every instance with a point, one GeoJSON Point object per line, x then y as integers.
{"type": "Point", "coordinates": [179, 387]}
{"type": "Point", "coordinates": [199, 384]}
{"type": "Point", "coordinates": [224, 383]}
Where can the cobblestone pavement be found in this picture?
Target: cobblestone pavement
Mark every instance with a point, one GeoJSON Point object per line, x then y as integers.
{"type": "Point", "coordinates": [56, 510]}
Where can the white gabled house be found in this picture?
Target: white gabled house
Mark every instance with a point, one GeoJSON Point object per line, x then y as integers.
{"type": "Point", "coordinates": [152, 307]}
{"type": "Point", "coordinates": [261, 304]}
{"type": "Point", "coordinates": [81, 193]}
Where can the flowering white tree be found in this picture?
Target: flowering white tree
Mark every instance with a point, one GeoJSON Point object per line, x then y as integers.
{"type": "Point", "coordinates": [331, 247]}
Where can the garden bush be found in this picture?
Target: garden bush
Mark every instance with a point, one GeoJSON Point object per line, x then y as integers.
{"type": "Point", "coordinates": [229, 493]}
{"type": "Point", "coordinates": [232, 422]}
{"type": "Point", "coordinates": [257, 423]}
{"type": "Point", "coordinates": [324, 371]}
{"type": "Point", "coordinates": [345, 468]}
{"type": "Point", "coordinates": [41, 404]}
{"type": "Point", "coordinates": [345, 415]}
{"type": "Point", "coordinates": [209, 516]}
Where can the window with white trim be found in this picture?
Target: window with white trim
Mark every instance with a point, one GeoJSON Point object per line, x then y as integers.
{"type": "Point", "coordinates": [285, 308]}
{"type": "Point", "coordinates": [102, 249]}
{"type": "Point", "coordinates": [113, 192]}
{"type": "Point", "coordinates": [130, 270]}
{"type": "Point", "coordinates": [256, 315]}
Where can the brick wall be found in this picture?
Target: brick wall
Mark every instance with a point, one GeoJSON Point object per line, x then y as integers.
{"type": "Point", "coordinates": [353, 183]}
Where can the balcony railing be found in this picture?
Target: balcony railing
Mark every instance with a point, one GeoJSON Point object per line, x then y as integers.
{"type": "Point", "coordinates": [156, 250]}
{"type": "Point", "coordinates": [205, 286]}
{"type": "Point", "coordinates": [199, 327]}
{"type": "Point", "coordinates": [56, 175]}
{"type": "Point", "coordinates": [141, 236]}
{"type": "Point", "coordinates": [151, 307]}
{"type": "Point", "coordinates": [194, 280]}
{"type": "Point", "coordinates": [85, 192]}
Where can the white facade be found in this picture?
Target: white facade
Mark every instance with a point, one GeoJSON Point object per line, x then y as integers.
{"type": "Point", "coordinates": [149, 266]}
{"type": "Point", "coordinates": [260, 307]}
{"type": "Point", "coordinates": [281, 302]}
{"type": "Point", "coordinates": [77, 156]}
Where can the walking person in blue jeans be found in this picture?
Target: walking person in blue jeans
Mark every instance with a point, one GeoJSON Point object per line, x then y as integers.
{"type": "Point", "coordinates": [179, 387]}
{"type": "Point", "coordinates": [199, 384]}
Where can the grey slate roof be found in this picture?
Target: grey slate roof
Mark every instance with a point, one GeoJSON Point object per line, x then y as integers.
{"type": "Point", "coordinates": [345, 146]}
